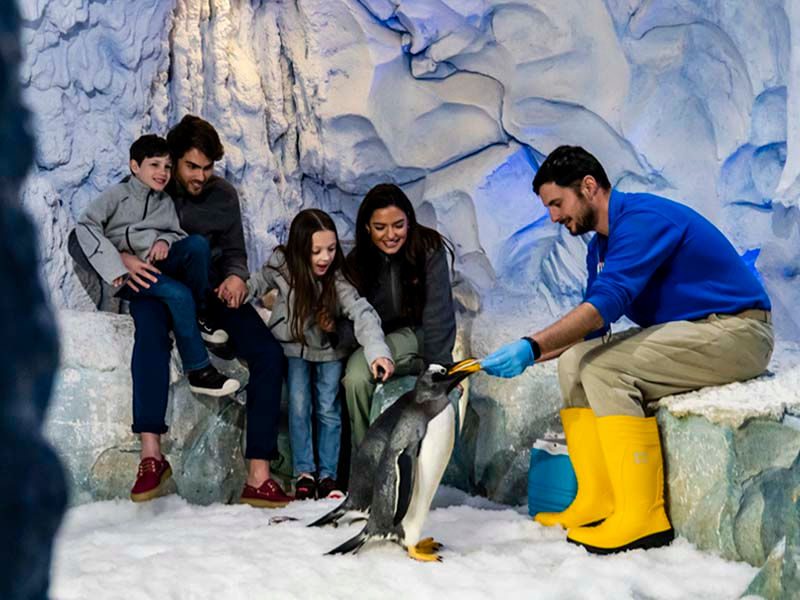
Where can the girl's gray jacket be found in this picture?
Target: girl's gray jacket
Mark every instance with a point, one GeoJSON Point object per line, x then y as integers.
{"type": "Point", "coordinates": [129, 217]}
{"type": "Point", "coordinates": [317, 348]}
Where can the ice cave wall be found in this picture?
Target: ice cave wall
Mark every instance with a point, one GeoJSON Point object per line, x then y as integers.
{"type": "Point", "coordinates": [456, 100]}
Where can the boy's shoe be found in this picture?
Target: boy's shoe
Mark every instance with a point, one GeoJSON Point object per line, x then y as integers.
{"type": "Point", "coordinates": [268, 495]}
{"type": "Point", "coordinates": [210, 333]}
{"type": "Point", "coordinates": [211, 382]}
{"type": "Point", "coordinates": [151, 479]}
{"type": "Point", "coordinates": [305, 488]}
{"type": "Point", "coordinates": [327, 488]}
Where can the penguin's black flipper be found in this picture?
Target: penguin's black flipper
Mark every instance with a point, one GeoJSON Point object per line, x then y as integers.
{"type": "Point", "coordinates": [352, 545]}
{"type": "Point", "coordinates": [332, 517]}
{"type": "Point", "coordinates": [406, 468]}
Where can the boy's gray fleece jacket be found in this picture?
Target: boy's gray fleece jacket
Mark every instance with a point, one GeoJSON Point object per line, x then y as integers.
{"type": "Point", "coordinates": [129, 217]}
{"type": "Point", "coordinates": [317, 348]}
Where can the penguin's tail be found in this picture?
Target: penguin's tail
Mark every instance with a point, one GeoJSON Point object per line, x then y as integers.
{"type": "Point", "coordinates": [352, 545]}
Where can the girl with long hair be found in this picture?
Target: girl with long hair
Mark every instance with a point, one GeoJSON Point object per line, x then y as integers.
{"type": "Point", "coordinates": [314, 289]}
{"type": "Point", "coordinates": [401, 267]}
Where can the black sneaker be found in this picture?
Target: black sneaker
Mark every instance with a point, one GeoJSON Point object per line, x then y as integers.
{"type": "Point", "coordinates": [211, 382]}
{"type": "Point", "coordinates": [210, 333]}
{"type": "Point", "coordinates": [327, 488]}
{"type": "Point", "coordinates": [305, 488]}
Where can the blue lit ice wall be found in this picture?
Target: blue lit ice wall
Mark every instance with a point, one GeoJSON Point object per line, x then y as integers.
{"type": "Point", "coordinates": [457, 100]}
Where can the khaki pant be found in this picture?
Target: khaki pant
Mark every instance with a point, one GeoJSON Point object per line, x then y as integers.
{"type": "Point", "coordinates": [620, 376]}
{"type": "Point", "coordinates": [359, 384]}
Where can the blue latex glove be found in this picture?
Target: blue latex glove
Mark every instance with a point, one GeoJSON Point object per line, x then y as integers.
{"type": "Point", "coordinates": [509, 360]}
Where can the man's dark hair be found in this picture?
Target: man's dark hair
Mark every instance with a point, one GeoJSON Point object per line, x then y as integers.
{"type": "Point", "coordinates": [566, 166]}
{"type": "Point", "coordinates": [194, 132]}
{"type": "Point", "coordinates": [148, 146]}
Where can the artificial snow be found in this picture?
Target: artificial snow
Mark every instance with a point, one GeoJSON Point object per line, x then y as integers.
{"type": "Point", "coordinates": [168, 549]}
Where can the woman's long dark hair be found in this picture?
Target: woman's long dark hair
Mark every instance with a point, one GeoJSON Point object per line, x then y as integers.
{"type": "Point", "coordinates": [420, 243]}
{"type": "Point", "coordinates": [305, 298]}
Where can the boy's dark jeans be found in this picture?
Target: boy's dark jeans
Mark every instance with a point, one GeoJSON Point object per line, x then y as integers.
{"type": "Point", "coordinates": [183, 287]}
{"type": "Point", "coordinates": [251, 340]}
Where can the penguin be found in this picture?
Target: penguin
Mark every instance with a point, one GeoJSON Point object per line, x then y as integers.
{"type": "Point", "coordinates": [400, 463]}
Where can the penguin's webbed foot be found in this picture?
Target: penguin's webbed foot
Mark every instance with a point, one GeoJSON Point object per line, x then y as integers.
{"type": "Point", "coordinates": [429, 546]}
{"type": "Point", "coordinates": [423, 556]}
{"type": "Point", "coordinates": [425, 551]}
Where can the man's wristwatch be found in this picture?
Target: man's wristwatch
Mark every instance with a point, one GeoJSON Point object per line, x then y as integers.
{"type": "Point", "coordinates": [537, 352]}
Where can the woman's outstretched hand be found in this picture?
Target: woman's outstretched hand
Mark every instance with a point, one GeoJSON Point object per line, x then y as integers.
{"type": "Point", "coordinates": [382, 368]}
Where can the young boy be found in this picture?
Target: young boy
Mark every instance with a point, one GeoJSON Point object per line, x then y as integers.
{"type": "Point", "coordinates": [137, 217]}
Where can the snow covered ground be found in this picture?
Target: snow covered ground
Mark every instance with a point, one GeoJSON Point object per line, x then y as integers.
{"type": "Point", "coordinates": [170, 550]}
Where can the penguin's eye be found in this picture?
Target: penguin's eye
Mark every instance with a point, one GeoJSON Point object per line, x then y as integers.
{"type": "Point", "coordinates": [437, 370]}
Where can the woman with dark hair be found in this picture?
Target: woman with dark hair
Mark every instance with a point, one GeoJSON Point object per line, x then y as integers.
{"type": "Point", "coordinates": [401, 268]}
{"type": "Point", "coordinates": [313, 285]}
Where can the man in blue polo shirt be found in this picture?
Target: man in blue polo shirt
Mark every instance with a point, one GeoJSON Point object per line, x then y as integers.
{"type": "Point", "coordinates": [704, 319]}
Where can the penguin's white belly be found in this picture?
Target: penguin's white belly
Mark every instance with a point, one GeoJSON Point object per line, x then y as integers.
{"type": "Point", "coordinates": [435, 451]}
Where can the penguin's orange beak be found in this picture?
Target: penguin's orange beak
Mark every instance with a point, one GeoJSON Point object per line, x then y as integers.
{"type": "Point", "coordinates": [468, 366]}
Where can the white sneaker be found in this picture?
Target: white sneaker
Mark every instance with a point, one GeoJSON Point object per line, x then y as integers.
{"type": "Point", "coordinates": [210, 382]}
{"type": "Point", "coordinates": [210, 334]}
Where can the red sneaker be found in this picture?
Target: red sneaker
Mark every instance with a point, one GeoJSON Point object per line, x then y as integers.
{"type": "Point", "coordinates": [150, 480]}
{"type": "Point", "coordinates": [268, 495]}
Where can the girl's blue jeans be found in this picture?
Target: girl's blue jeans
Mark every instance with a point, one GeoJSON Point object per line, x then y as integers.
{"type": "Point", "coordinates": [325, 377]}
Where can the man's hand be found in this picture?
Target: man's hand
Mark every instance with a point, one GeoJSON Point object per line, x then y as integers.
{"type": "Point", "coordinates": [509, 360]}
{"type": "Point", "coordinates": [382, 368]}
{"type": "Point", "coordinates": [158, 251]}
{"type": "Point", "coordinates": [141, 272]}
{"type": "Point", "coordinates": [232, 291]}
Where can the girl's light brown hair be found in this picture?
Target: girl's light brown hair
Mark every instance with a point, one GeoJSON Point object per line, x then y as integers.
{"type": "Point", "coordinates": [310, 294]}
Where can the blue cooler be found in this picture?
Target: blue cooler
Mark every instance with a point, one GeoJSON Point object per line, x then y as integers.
{"type": "Point", "coordinates": [551, 480]}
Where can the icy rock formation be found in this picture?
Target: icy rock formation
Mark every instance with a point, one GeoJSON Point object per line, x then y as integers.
{"type": "Point", "coordinates": [90, 419]}
{"type": "Point", "coordinates": [779, 578]}
{"type": "Point", "coordinates": [456, 100]}
{"type": "Point", "coordinates": [733, 471]}
{"type": "Point", "coordinates": [32, 488]}
{"type": "Point", "coordinates": [731, 489]}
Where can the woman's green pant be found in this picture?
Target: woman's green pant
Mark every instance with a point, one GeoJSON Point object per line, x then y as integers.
{"type": "Point", "coordinates": [359, 384]}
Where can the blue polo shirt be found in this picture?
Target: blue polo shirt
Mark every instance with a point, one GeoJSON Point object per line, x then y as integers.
{"type": "Point", "coordinates": [662, 261]}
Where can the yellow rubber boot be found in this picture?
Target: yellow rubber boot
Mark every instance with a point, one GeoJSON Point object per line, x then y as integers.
{"type": "Point", "coordinates": [594, 501]}
{"type": "Point", "coordinates": [633, 456]}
